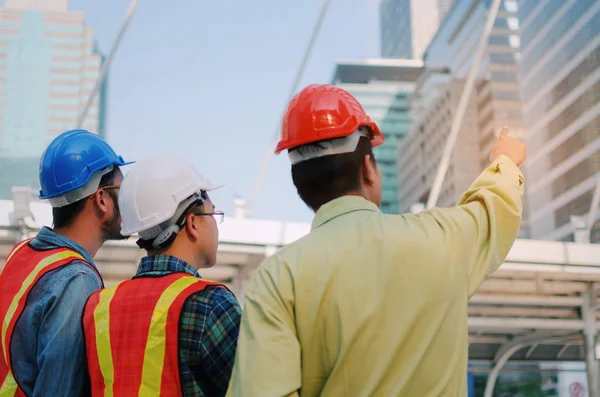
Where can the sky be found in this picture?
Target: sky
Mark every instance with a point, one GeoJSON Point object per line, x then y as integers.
{"type": "Point", "coordinates": [208, 81]}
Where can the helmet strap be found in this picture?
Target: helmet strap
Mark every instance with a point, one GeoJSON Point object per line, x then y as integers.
{"type": "Point", "coordinates": [167, 231]}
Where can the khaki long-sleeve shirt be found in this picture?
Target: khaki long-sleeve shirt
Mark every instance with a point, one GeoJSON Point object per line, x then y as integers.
{"type": "Point", "coordinates": [370, 304]}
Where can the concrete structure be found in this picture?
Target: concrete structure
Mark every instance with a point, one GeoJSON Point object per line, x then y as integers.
{"type": "Point", "coordinates": [382, 86]}
{"type": "Point", "coordinates": [538, 308]}
{"type": "Point", "coordinates": [48, 66]}
{"type": "Point", "coordinates": [560, 80]}
{"type": "Point", "coordinates": [495, 102]}
{"type": "Point", "coordinates": [407, 26]}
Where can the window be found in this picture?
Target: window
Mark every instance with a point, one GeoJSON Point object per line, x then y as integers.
{"type": "Point", "coordinates": [526, 7]}
{"type": "Point", "coordinates": [588, 32]}
{"type": "Point", "coordinates": [503, 58]}
{"type": "Point", "coordinates": [484, 102]}
{"type": "Point", "coordinates": [576, 175]}
{"type": "Point", "coordinates": [588, 66]}
{"type": "Point", "coordinates": [528, 34]}
{"type": "Point", "coordinates": [590, 98]}
{"type": "Point", "coordinates": [483, 123]}
{"type": "Point", "coordinates": [578, 141]}
{"type": "Point", "coordinates": [501, 76]}
{"type": "Point", "coordinates": [559, 29]}
{"type": "Point", "coordinates": [578, 206]}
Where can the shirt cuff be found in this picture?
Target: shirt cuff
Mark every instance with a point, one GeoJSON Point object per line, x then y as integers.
{"type": "Point", "coordinates": [504, 165]}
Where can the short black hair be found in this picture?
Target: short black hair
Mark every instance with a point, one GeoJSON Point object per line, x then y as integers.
{"type": "Point", "coordinates": [65, 216]}
{"type": "Point", "coordinates": [320, 180]}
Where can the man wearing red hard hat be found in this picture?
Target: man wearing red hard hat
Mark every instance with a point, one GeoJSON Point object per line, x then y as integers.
{"type": "Point", "coordinates": [370, 304]}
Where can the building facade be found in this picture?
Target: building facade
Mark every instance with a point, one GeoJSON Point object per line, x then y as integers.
{"type": "Point", "coordinates": [434, 107]}
{"type": "Point", "coordinates": [407, 26]}
{"type": "Point", "coordinates": [560, 81]}
{"type": "Point", "coordinates": [48, 65]}
{"type": "Point", "coordinates": [382, 86]}
{"type": "Point", "coordinates": [494, 102]}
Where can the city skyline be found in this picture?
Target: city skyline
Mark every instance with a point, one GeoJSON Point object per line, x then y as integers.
{"type": "Point", "coordinates": [213, 93]}
{"type": "Point", "coordinates": [494, 102]}
{"type": "Point", "coordinates": [150, 114]}
{"type": "Point", "coordinates": [408, 26]}
{"type": "Point", "coordinates": [49, 63]}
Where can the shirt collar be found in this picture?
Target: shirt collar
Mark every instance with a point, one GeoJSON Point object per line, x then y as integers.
{"type": "Point", "coordinates": [52, 238]}
{"type": "Point", "coordinates": [341, 206]}
{"type": "Point", "coordinates": [165, 264]}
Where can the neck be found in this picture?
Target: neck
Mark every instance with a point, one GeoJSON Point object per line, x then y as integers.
{"type": "Point", "coordinates": [89, 238]}
{"type": "Point", "coordinates": [185, 254]}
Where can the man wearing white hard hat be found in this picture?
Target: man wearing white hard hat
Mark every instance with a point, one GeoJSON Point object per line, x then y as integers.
{"type": "Point", "coordinates": [167, 331]}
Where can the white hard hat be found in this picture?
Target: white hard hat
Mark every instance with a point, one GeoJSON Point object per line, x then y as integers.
{"type": "Point", "coordinates": [155, 192]}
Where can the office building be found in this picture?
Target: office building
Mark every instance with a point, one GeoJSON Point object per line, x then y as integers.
{"type": "Point", "coordinates": [48, 66]}
{"type": "Point", "coordinates": [382, 87]}
{"type": "Point", "coordinates": [560, 80]}
{"type": "Point", "coordinates": [407, 26]}
{"type": "Point", "coordinates": [433, 107]}
{"type": "Point", "coordinates": [494, 102]}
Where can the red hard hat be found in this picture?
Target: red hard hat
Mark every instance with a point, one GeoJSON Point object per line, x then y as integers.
{"type": "Point", "coordinates": [321, 112]}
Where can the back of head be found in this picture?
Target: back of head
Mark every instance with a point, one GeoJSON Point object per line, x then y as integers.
{"type": "Point", "coordinates": [328, 135]}
{"type": "Point", "coordinates": [323, 179]}
{"type": "Point", "coordinates": [156, 196]}
{"type": "Point", "coordinates": [73, 166]}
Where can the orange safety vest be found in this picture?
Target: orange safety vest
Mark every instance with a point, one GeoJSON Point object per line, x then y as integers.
{"type": "Point", "coordinates": [24, 267]}
{"type": "Point", "coordinates": [132, 333]}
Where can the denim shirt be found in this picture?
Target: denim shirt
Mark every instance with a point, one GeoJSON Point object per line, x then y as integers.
{"type": "Point", "coordinates": [48, 346]}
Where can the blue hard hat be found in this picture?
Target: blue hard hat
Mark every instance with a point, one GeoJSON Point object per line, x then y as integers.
{"type": "Point", "coordinates": [71, 159]}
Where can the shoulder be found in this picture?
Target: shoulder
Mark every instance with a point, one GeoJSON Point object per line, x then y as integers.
{"type": "Point", "coordinates": [213, 299]}
{"type": "Point", "coordinates": [77, 272]}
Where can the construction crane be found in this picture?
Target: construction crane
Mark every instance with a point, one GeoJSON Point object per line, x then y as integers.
{"type": "Point", "coordinates": [269, 154]}
{"type": "Point", "coordinates": [462, 107]}
{"type": "Point", "coordinates": [106, 65]}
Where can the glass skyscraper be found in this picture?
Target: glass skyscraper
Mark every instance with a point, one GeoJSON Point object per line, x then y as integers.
{"type": "Point", "coordinates": [560, 80]}
{"type": "Point", "coordinates": [494, 102]}
{"type": "Point", "coordinates": [382, 86]}
{"type": "Point", "coordinates": [48, 65]}
{"type": "Point", "coordinates": [407, 26]}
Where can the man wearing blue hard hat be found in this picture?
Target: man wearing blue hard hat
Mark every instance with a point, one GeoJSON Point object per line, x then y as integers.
{"type": "Point", "coordinates": [46, 280]}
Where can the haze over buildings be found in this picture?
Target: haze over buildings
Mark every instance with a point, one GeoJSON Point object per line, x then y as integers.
{"type": "Point", "coordinates": [48, 66]}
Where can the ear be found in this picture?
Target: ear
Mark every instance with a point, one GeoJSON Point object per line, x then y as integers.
{"type": "Point", "coordinates": [191, 227]}
{"type": "Point", "coordinates": [101, 199]}
{"type": "Point", "coordinates": [369, 170]}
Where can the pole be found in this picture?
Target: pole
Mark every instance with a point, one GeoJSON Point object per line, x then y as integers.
{"type": "Point", "coordinates": [581, 233]}
{"type": "Point", "coordinates": [294, 88]}
{"type": "Point", "coordinates": [593, 214]}
{"type": "Point", "coordinates": [590, 335]}
{"type": "Point", "coordinates": [462, 107]}
{"type": "Point", "coordinates": [107, 62]}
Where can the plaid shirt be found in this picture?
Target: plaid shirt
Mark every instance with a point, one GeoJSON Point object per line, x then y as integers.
{"type": "Point", "coordinates": [208, 331]}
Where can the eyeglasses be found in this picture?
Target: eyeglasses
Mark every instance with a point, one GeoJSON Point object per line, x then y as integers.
{"type": "Point", "coordinates": [107, 187]}
{"type": "Point", "coordinates": [218, 215]}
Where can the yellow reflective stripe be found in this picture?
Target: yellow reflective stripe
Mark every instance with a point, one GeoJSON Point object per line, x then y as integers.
{"type": "Point", "coordinates": [14, 251]}
{"type": "Point", "coordinates": [47, 261]}
{"type": "Point", "coordinates": [9, 386]}
{"type": "Point", "coordinates": [154, 357]}
{"type": "Point", "coordinates": [102, 329]}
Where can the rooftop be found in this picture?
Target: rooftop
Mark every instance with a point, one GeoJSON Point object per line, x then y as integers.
{"type": "Point", "coordinates": [533, 303]}
{"type": "Point", "coordinates": [381, 69]}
